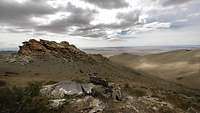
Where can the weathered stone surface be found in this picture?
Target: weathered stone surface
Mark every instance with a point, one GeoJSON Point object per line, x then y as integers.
{"type": "Point", "coordinates": [52, 48]}
{"type": "Point", "coordinates": [104, 89]}
{"type": "Point", "coordinates": [32, 47]}
{"type": "Point", "coordinates": [91, 94]}
{"type": "Point", "coordinates": [96, 105]}
{"type": "Point", "coordinates": [98, 81]}
{"type": "Point", "coordinates": [60, 89]}
{"type": "Point", "coordinates": [56, 103]}
{"type": "Point", "coordinates": [88, 104]}
{"type": "Point", "coordinates": [116, 93]}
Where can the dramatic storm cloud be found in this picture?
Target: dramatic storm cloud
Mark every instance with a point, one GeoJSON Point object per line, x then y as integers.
{"type": "Point", "coordinates": [99, 22]}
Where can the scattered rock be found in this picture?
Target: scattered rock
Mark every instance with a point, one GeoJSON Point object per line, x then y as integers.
{"type": "Point", "coordinates": [23, 60]}
{"type": "Point", "coordinates": [96, 105]}
{"type": "Point", "coordinates": [104, 89]}
{"type": "Point", "coordinates": [88, 104]}
{"type": "Point", "coordinates": [56, 103]}
{"type": "Point", "coordinates": [116, 93]}
{"type": "Point", "coordinates": [98, 81]}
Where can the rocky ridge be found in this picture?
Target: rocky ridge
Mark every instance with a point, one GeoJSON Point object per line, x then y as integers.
{"type": "Point", "coordinates": [44, 48]}
{"type": "Point", "coordinates": [82, 92]}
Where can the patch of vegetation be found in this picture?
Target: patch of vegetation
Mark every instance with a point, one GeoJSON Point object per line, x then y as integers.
{"type": "Point", "coordinates": [51, 82]}
{"type": "Point", "coordinates": [2, 83]}
{"type": "Point", "coordinates": [134, 91]}
{"type": "Point", "coordinates": [79, 80]}
{"type": "Point", "coordinates": [178, 101]}
{"type": "Point", "coordinates": [179, 78]}
{"type": "Point", "coordinates": [23, 100]}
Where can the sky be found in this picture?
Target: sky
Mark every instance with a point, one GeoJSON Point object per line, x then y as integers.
{"type": "Point", "coordinates": [101, 23]}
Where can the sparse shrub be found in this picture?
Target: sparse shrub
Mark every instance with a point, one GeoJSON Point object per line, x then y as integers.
{"type": "Point", "coordinates": [134, 91]}
{"type": "Point", "coordinates": [137, 92]}
{"type": "Point", "coordinates": [179, 78]}
{"type": "Point", "coordinates": [2, 83]}
{"type": "Point", "coordinates": [33, 89]}
{"type": "Point", "coordinates": [79, 80]}
{"type": "Point", "coordinates": [23, 100]}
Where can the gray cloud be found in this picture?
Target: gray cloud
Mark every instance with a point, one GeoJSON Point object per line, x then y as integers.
{"type": "Point", "coordinates": [20, 14]}
{"type": "Point", "coordinates": [129, 19]}
{"type": "Point", "coordinates": [178, 16]}
{"type": "Point", "coordinates": [78, 17]}
{"type": "Point", "coordinates": [174, 2]}
{"type": "Point", "coordinates": [109, 4]}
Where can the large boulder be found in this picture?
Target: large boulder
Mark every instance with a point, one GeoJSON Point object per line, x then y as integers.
{"type": "Point", "coordinates": [63, 88]}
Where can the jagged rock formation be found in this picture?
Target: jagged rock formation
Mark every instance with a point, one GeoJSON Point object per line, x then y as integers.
{"type": "Point", "coordinates": [48, 48]}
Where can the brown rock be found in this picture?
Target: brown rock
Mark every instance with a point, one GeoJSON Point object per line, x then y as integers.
{"type": "Point", "coordinates": [52, 48]}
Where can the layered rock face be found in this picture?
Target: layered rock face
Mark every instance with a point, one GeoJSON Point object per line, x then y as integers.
{"type": "Point", "coordinates": [45, 48]}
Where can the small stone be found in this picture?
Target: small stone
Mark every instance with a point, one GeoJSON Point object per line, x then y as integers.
{"type": "Point", "coordinates": [56, 103]}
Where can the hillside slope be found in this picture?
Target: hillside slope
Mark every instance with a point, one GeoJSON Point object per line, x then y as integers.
{"type": "Point", "coordinates": [51, 62]}
{"type": "Point", "coordinates": [181, 66]}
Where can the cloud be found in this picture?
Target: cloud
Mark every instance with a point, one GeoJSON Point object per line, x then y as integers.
{"type": "Point", "coordinates": [78, 17]}
{"type": "Point", "coordinates": [129, 19]}
{"type": "Point", "coordinates": [103, 19]}
{"type": "Point", "coordinates": [173, 2]}
{"type": "Point", "coordinates": [109, 4]}
{"type": "Point", "coordinates": [19, 14]}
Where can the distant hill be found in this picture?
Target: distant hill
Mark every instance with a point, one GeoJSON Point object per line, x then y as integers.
{"type": "Point", "coordinates": [180, 66]}
{"type": "Point", "coordinates": [137, 50]}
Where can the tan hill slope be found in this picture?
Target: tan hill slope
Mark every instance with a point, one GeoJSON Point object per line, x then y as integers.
{"type": "Point", "coordinates": [181, 66]}
{"type": "Point", "coordinates": [67, 69]}
{"type": "Point", "coordinates": [51, 61]}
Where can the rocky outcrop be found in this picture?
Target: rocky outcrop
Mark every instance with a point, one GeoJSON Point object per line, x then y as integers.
{"type": "Point", "coordinates": [63, 88]}
{"type": "Point", "coordinates": [96, 97]}
{"type": "Point", "coordinates": [52, 48]}
{"type": "Point", "coordinates": [96, 89]}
